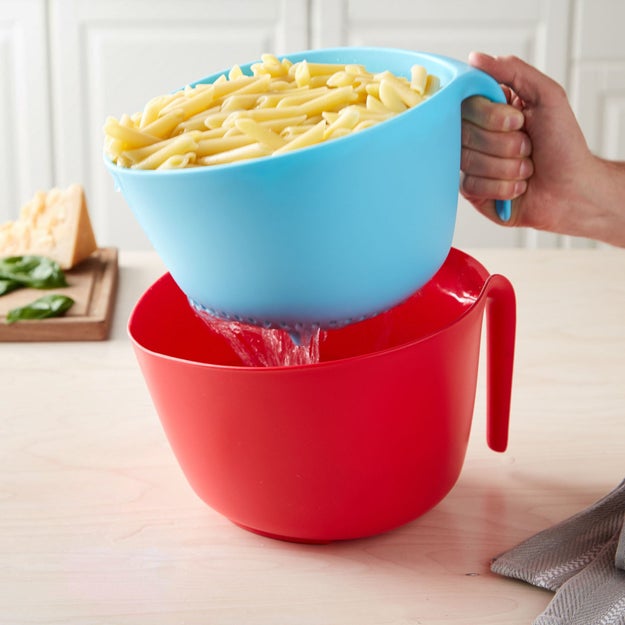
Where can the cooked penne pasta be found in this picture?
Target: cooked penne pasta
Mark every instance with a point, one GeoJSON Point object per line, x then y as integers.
{"type": "Point", "coordinates": [215, 120]}
{"type": "Point", "coordinates": [197, 122]}
{"type": "Point", "coordinates": [390, 98]}
{"type": "Point", "coordinates": [432, 84]}
{"type": "Point", "coordinates": [310, 137]}
{"type": "Point", "coordinates": [341, 79]}
{"type": "Point", "coordinates": [333, 100]}
{"type": "Point", "coordinates": [152, 110]}
{"type": "Point", "coordinates": [265, 136]}
{"type": "Point", "coordinates": [128, 137]}
{"type": "Point", "coordinates": [162, 127]}
{"type": "Point", "coordinates": [295, 131]}
{"type": "Point", "coordinates": [178, 161]}
{"type": "Point", "coordinates": [278, 125]}
{"type": "Point", "coordinates": [281, 107]}
{"type": "Point", "coordinates": [208, 147]}
{"type": "Point", "coordinates": [261, 115]}
{"type": "Point", "coordinates": [253, 150]}
{"type": "Point", "coordinates": [375, 106]}
{"type": "Point", "coordinates": [300, 95]}
{"type": "Point", "coordinates": [345, 120]}
{"type": "Point", "coordinates": [239, 101]}
{"type": "Point", "coordinates": [409, 97]}
{"type": "Point", "coordinates": [178, 145]}
{"type": "Point", "coordinates": [418, 79]}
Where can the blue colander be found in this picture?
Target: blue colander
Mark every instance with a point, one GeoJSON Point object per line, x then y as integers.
{"type": "Point", "coordinates": [325, 235]}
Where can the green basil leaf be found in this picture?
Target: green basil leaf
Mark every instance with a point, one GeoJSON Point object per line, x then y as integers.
{"type": "Point", "coordinates": [38, 272]}
{"type": "Point", "coordinates": [6, 286]}
{"type": "Point", "coordinates": [53, 305]}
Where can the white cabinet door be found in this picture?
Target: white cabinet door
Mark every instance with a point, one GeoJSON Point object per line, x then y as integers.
{"type": "Point", "coordinates": [536, 30]}
{"type": "Point", "coordinates": [598, 77]}
{"type": "Point", "coordinates": [598, 74]}
{"type": "Point", "coordinates": [110, 58]}
{"type": "Point", "coordinates": [25, 164]}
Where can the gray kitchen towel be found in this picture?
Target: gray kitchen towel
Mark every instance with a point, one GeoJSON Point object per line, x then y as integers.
{"type": "Point", "coordinates": [594, 596]}
{"type": "Point", "coordinates": [619, 558]}
{"type": "Point", "coordinates": [582, 559]}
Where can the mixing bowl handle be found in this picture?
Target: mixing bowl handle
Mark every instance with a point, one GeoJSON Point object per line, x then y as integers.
{"type": "Point", "coordinates": [469, 82]}
{"type": "Point", "coordinates": [500, 336]}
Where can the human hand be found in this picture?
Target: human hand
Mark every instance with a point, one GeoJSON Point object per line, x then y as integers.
{"type": "Point", "coordinates": [533, 151]}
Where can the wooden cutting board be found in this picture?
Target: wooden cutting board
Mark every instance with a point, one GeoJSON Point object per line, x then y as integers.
{"type": "Point", "coordinates": [92, 285]}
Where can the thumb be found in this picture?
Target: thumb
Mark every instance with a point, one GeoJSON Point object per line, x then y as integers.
{"type": "Point", "coordinates": [530, 84]}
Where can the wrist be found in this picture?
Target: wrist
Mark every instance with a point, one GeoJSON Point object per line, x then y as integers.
{"type": "Point", "coordinates": [593, 204]}
{"type": "Point", "coordinates": [605, 198]}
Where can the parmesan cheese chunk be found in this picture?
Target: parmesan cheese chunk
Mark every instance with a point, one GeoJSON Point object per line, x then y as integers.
{"type": "Point", "coordinates": [55, 224]}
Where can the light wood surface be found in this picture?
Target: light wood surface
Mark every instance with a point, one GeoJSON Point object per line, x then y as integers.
{"type": "Point", "coordinates": [98, 525]}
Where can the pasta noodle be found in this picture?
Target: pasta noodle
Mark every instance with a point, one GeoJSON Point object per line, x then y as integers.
{"type": "Point", "coordinates": [282, 106]}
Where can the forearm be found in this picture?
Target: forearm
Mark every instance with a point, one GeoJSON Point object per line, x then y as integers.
{"type": "Point", "coordinates": [601, 209]}
{"type": "Point", "coordinates": [566, 190]}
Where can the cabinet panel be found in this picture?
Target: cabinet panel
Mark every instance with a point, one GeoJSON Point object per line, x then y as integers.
{"type": "Point", "coordinates": [25, 164]}
{"type": "Point", "coordinates": [597, 68]}
{"type": "Point", "coordinates": [110, 58]}
{"type": "Point", "coordinates": [598, 75]}
{"type": "Point", "coordinates": [598, 93]}
{"type": "Point", "coordinates": [536, 30]}
{"type": "Point", "coordinates": [598, 29]}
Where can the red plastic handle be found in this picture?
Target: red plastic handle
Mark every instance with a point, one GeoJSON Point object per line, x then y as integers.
{"type": "Point", "coordinates": [500, 337]}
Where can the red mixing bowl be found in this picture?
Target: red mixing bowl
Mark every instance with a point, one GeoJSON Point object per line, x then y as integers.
{"type": "Point", "coordinates": [368, 439]}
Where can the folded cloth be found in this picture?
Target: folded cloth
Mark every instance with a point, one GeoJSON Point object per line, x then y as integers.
{"type": "Point", "coordinates": [619, 558]}
{"type": "Point", "coordinates": [594, 596]}
{"type": "Point", "coordinates": [582, 559]}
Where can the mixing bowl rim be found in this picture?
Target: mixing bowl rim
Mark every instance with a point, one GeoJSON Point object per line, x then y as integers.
{"type": "Point", "coordinates": [326, 363]}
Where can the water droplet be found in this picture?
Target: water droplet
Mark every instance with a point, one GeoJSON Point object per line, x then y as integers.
{"type": "Point", "coordinates": [296, 337]}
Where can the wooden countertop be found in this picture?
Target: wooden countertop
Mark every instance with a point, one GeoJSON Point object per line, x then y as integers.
{"type": "Point", "coordinates": [98, 525]}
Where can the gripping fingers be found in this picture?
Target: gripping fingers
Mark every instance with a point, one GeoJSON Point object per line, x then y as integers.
{"type": "Point", "coordinates": [476, 188]}
{"type": "Point", "coordinates": [483, 165]}
{"type": "Point", "coordinates": [491, 115]}
{"type": "Point", "coordinates": [513, 144]}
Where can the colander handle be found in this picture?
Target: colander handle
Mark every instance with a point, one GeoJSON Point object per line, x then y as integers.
{"type": "Point", "coordinates": [470, 81]}
{"type": "Point", "coordinates": [500, 338]}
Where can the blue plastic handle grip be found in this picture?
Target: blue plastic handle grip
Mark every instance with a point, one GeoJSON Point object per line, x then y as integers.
{"type": "Point", "coordinates": [470, 81]}
{"type": "Point", "coordinates": [504, 208]}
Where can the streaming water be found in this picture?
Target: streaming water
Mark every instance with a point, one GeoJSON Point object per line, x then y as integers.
{"type": "Point", "coordinates": [267, 347]}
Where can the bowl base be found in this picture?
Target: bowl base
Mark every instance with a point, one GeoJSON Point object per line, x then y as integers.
{"type": "Point", "coordinates": [289, 539]}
